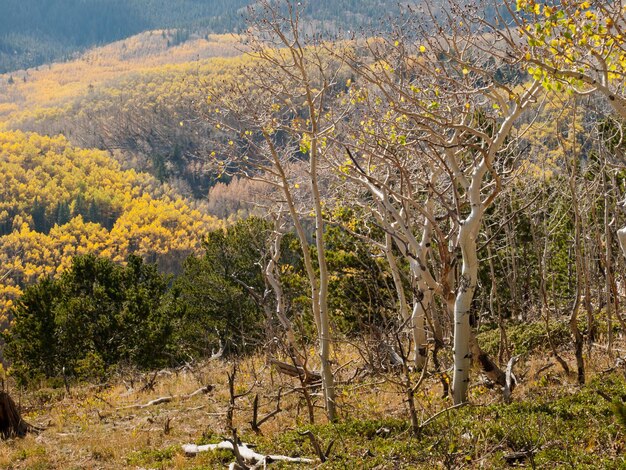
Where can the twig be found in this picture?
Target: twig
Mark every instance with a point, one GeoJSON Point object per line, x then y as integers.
{"type": "Point", "coordinates": [256, 424]}
{"type": "Point", "coordinates": [436, 415]}
{"type": "Point", "coordinates": [323, 456]}
{"type": "Point", "coordinates": [542, 369]}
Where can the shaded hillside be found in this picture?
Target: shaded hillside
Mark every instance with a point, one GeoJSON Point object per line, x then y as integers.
{"type": "Point", "coordinates": [35, 32]}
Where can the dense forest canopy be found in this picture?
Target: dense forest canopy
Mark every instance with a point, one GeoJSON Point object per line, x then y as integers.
{"type": "Point", "coordinates": [59, 201]}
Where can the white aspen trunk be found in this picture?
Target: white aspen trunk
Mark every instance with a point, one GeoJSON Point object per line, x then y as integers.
{"type": "Point", "coordinates": [424, 293]}
{"type": "Point", "coordinates": [422, 278]}
{"type": "Point", "coordinates": [273, 280]}
{"type": "Point", "coordinates": [467, 285]}
{"type": "Point", "coordinates": [324, 333]}
{"type": "Point", "coordinates": [319, 286]}
{"type": "Point", "coordinates": [467, 242]}
{"type": "Point", "coordinates": [462, 305]}
{"type": "Point", "coordinates": [397, 279]}
{"type": "Point", "coordinates": [418, 320]}
{"type": "Point", "coordinates": [621, 236]}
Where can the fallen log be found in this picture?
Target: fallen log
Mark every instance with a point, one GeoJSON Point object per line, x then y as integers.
{"type": "Point", "coordinates": [202, 390]}
{"type": "Point", "coordinates": [293, 371]}
{"type": "Point", "coordinates": [157, 401]}
{"type": "Point", "coordinates": [245, 452]}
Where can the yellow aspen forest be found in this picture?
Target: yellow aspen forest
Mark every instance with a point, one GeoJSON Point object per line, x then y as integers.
{"type": "Point", "coordinates": [58, 201]}
{"type": "Point", "coordinates": [53, 85]}
{"type": "Point", "coordinates": [139, 98]}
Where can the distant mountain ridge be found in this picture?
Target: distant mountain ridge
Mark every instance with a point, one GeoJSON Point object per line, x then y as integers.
{"type": "Point", "coordinates": [34, 32]}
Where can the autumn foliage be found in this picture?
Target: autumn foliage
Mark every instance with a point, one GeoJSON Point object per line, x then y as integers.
{"type": "Point", "coordinates": [58, 201]}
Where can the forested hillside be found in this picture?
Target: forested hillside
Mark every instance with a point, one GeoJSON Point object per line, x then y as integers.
{"type": "Point", "coordinates": [433, 276]}
{"type": "Point", "coordinates": [34, 32]}
{"type": "Point", "coordinates": [58, 201]}
{"type": "Point", "coordinates": [137, 98]}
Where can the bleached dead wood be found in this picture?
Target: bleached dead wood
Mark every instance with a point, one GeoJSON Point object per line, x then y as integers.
{"type": "Point", "coordinates": [161, 400]}
{"type": "Point", "coordinates": [246, 453]}
{"type": "Point", "coordinates": [293, 371]}
{"type": "Point", "coordinates": [511, 381]}
{"type": "Point", "coordinates": [156, 401]}
{"type": "Point", "coordinates": [202, 390]}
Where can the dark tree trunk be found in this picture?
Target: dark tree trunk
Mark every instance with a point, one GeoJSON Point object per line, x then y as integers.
{"type": "Point", "coordinates": [11, 422]}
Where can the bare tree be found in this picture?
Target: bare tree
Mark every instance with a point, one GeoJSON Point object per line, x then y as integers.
{"type": "Point", "coordinates": [276, 120]}
{"type": "Point", "coordinates": [439, 105]}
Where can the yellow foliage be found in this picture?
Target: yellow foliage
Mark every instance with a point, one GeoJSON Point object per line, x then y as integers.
{"type": "Point", "coordinates": [39, 94]}
{"type": "Point", "coordinates": [46, 171]}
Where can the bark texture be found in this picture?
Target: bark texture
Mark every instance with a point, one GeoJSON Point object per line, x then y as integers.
{"type": "Point", "coordinates": [11, 422]}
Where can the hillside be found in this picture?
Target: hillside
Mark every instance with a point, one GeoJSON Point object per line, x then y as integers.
{"type": "Point", "coordinates": [552, 422]}
{"type": "Point", "coordinates": [33, 33]}
{"type": "Point", "coordinates": [430, 273]}
{"type": "Point", "coordinates": [58, 201]}
{"type": "Point", "coordinates": [59, 83]}
{"type": "Point", "coordinates": [138, 98]}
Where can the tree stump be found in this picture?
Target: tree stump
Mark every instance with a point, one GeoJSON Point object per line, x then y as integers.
{"type": "Point", "coordinates": [11, 422]}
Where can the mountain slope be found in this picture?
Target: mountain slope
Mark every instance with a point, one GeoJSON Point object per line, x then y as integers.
{"type": "Point", "coordinates": [35, 32]}
{"type": "Point", "coordinates": [58, 201]}
{"type": "Point", "coordinates": [130, 97]}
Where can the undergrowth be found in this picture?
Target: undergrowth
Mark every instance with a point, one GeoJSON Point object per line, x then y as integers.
{"type": "Point", "coordinates": [551, 422]}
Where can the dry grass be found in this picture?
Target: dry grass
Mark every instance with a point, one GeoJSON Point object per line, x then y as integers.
{"type": "Point", "coordinates": [91, 429]}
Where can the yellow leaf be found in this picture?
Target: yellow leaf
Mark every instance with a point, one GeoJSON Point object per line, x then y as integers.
{"type": "Point", "coordinates": [422, 48]}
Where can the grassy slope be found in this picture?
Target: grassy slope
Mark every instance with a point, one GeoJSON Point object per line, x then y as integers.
{"type": "Point", "coordinates": [563, 425]}
{"type": "Point", "coordinates": [57, 85]}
